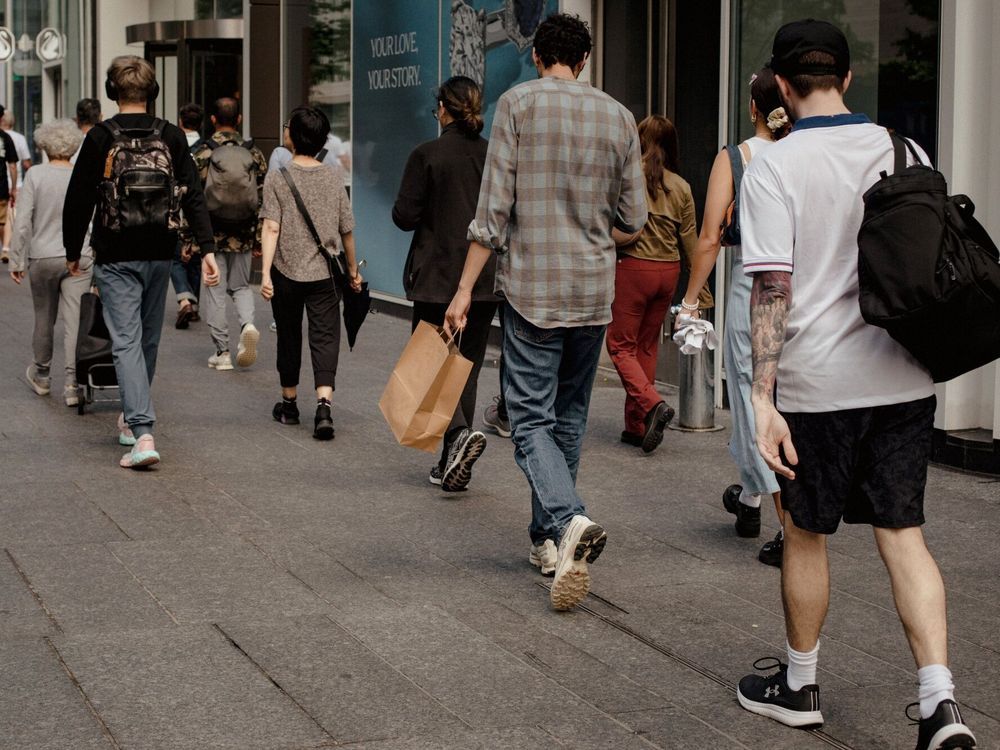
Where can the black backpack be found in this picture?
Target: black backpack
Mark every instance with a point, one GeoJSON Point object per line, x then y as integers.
{"type": "Point", "coordinates": [138, 188]}
{"type": "Point", "coordinates": [928, 272]}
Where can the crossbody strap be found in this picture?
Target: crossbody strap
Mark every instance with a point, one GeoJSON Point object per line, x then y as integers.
{"type": "Point", "coordinates": [305, 214]}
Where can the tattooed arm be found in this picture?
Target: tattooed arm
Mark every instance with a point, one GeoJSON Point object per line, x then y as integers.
{"type": "Point", "coordinates": [769, 303]}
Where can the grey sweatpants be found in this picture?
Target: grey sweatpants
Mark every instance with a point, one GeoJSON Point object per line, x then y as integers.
{"type": "Point", "coordinates": [134, 293]}
{"type": "Point", "coordinates": [54, 292]}
{"type": "Point", "coordinates": [234, 280]}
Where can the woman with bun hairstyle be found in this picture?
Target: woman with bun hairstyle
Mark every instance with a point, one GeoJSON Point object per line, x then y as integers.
{"type": "Point", "coordinates": [645, 281]}
{"type": "Point", "coordinates": [437, 202]}
{"type": "Point", "coordinates": [742, 500]}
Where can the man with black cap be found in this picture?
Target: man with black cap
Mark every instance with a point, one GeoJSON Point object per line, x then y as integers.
{"type": "Point", "coordinates": [844, 414]}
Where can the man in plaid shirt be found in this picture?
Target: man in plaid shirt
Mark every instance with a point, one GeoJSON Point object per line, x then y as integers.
{"type": "Point", "coordinates": [563, 169]}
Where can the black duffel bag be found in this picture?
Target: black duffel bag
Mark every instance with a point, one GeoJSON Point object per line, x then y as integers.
{"type": "Point", "coordinates": [928, 272]}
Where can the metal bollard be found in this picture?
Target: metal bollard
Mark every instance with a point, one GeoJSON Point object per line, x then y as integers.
{"type": "Point", "coordinates": [696, 408]}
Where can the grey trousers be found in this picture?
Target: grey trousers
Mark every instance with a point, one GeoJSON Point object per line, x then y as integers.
{"type": "Point", "coordinates": [134, 294]}
{"type": "Point", "coordinates": [234, 281]}
{"type": "Point", "coordinates": [55, 293]}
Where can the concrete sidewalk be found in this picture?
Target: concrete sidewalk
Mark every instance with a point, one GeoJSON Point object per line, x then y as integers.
{"type": "Point", "coordinates": [260, 589]}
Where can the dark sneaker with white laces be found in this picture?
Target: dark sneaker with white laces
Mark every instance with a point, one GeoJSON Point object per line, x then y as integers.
{"type": "Point", "coordinates": [770, 696]}
{"type": "Point", "coordinates": [656, 422]}
{"type": "Point", "coordinates": [944, 729]}
{"type": "Point", "coordinates": [773, 551]}
{"type": "Point", "coordinates": [436, 475]}
{"type": "Point", "coordinates": [581, 544]}
{"type": "Point", "coordinates": [747, 518]}
{"type": "Point", "coordinates": [465, 450]}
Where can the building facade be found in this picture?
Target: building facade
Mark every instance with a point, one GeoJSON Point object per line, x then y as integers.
{"type": "Point", "coordinates": [928, 68]}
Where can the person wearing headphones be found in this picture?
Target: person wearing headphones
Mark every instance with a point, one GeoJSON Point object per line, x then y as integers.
{"type": "Point", "coordinates": [137, 171]}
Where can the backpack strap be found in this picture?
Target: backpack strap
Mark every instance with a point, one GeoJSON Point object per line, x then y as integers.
{"type": "Point", "coordinates": [736, 162]}
{"type": "Point", "coordinates": [900, 146]}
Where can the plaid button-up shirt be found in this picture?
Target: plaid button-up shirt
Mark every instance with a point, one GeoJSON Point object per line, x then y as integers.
{"type": "Point", "coordinates": [563, 168]}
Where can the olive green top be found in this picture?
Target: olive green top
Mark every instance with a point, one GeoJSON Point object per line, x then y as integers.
{"type": "Point", "coordinates": [670, 227]}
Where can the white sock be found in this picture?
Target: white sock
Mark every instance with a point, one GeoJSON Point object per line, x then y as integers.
{"type": "Point", "coordinates": [802, 667]}
{"type": "Point", "coordinates": [751, 499]}
{"type": "Point", "coordinates": [935, 686]}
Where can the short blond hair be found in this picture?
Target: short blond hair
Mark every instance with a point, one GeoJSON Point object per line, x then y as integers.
{"type": "Point", "coordinates": [134, 78]}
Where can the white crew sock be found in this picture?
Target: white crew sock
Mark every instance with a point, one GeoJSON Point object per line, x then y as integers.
{"type": "Point", "coordinates": [801, 667]}
{"type": "Point", "coordinates": [751, 499]}
{"type": "Point", "coordinates": [935, 686]}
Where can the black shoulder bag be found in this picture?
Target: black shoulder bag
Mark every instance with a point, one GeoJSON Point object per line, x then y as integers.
{"type": "Point", "coordinates": [337, 263]}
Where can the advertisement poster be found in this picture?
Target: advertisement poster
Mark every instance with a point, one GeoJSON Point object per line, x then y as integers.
{"type": "Point", "coordinates": [401, 53]}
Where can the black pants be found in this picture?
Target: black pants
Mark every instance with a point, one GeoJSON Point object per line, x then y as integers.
{"type": "Point", "coordinates": [321, 302]}
{"type": "Point", "coordinates": [472, 345]}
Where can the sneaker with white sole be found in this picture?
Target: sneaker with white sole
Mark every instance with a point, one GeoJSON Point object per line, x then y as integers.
{"type": "Point", "coordinates": [40, 384]}
{"type": "Point", "coordinates": [544, 556]}
{"type": "Point", "coordinates": [142, 455]}
{"type": "Point", "coordinates": [246, 352]}
{"type": "Point", "coordinates": [125, 436]}
{"type": "Point", "coordinates": [436, 475]}
{"type": "Point", "coordinates": [496, 419]}
{"type": "Point", "coordinates": [465, 450]}
{"type": "Point", "coordinates": [581, 544]}
{"type": "Point", "coordinates": [770, 696]}
{"type": "Point", "coordinates": [942, 730]}
{"type": "Point", "coordinates": [71, 395]}
{"type": "Point", "coordinates": [220, 361]}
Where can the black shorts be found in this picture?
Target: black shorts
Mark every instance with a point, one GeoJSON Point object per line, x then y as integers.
{"type": "Point", "coordinates": [861, 465]}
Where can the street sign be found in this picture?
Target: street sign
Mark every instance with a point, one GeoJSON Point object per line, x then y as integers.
{"type": "Point", "coordinates": [7, 44]}
{"type": "Point", "coordinates": [50, 45]}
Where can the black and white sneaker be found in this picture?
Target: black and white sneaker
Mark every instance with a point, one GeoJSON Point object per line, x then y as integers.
{"type": "Point", "coordinates": [770, 696]}
{"type": "Point", "coordinates": [436, 475]}
{"type": "Point", "coordinates": [747, 518]}
{"type": "Point", "coordinates": [944, 729]}
{"type": "Point", "coordinates": [465, 450]}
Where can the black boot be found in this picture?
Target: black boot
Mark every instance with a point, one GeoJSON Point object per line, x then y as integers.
{"type": "Point", "coordinates": [747, 518]}
{"type": "Point", "coordinates": [286, 411]}
{"type": "Point", "coordinates": [323, 429]}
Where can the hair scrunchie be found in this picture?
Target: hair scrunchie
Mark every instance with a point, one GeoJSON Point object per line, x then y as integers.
{"type": "Point", "coordinates": [777, 119]}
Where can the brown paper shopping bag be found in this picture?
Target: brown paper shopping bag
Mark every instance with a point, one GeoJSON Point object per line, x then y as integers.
{"type": "Point", "coordinates": [424, 389]}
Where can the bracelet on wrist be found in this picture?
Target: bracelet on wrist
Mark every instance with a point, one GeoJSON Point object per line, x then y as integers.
{"type": "Point", "coordinates": [686, 306]}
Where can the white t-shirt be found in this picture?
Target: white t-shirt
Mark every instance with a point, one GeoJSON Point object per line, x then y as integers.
{"type": "Point", "coordinates": [23, 153]}
{"type": "Point", "coordinates": [801, 209]}
{"type": "Point", "coordinates": [281, 156]}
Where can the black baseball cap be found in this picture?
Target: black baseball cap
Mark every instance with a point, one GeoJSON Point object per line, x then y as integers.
{"type": "Point", "coordinates": [797, 38]}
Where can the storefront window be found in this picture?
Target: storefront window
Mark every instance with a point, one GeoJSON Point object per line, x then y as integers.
{"type": "Point", "coordinates": [218, 9]}
{"type": "Point", "coordinates": [894, 57]}
{"type": "Point", "coordinates": [318, 63]}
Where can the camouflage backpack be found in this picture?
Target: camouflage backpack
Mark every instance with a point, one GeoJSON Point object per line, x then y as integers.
{"type": "Point", "coordinates": [138, 187]}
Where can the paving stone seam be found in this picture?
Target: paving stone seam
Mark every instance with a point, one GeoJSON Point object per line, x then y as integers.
{"type": "Point", "coordinates": [240, 650]}
{"type": "Point", "coordinates": [34, 593]}
{"type": "Point", "coordinates": [105, 729]}
{"type": "Point", "coordinates": [102, 511]}
{"type": "Point", "coordinates": [144, 587]}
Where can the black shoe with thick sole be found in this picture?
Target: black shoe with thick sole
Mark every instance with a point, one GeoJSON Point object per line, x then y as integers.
{"type": "Point", "coordinates": [630, 438]}
{"type": "Point", "coordinates": [656, 422]}
{"type": "Point", "coordinates": [323, 424]}
{"type": "Point", "coordinates": [285, 413]}
{"type": "Point", "coordinates": [747, 518]}
{"type": "Point", "coordinates": [465, 450]}
{"type": "Point", "coordinates": [944, 729]}
{"type": "Point", "coordinates": [773, 551]}
{"type": "Point", "coordinates": [770, 696]}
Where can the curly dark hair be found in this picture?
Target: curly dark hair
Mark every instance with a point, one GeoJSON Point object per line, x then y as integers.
{"type": "Point", "coordinates": [563, 39]}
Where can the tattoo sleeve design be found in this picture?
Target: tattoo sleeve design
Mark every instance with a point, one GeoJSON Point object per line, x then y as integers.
{"type": "Point", "coordinates": [769, 302]}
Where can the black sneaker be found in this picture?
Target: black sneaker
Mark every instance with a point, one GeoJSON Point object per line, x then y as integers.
{"type": "Point", "coordinates": [747, 518]}
{"type": "Point", "coordinates": [465, 449]}
{"type": "Point", "coordinates": [656, 422]}
{"type": "Point", "coordinates": [772, 551]}
{"type": "Point", "coordinates": [630, 438]}
{"type": "Point", "coordinates": [323, 426]}
{"type": "Point", "coordinates": [770, 696]}
{"type": "Point", "coordinates": [436, 475]}
{"type": "Point", "coordinates": [285, 412]}
{"type": "Point", "coordinates": [944, 729]}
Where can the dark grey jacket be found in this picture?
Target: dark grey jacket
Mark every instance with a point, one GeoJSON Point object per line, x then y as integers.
{"type": "Point", "coordinates": [437, 201]}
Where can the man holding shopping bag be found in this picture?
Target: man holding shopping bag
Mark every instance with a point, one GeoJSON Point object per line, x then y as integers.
{"type": "Point", "coordinates": [570, 155]}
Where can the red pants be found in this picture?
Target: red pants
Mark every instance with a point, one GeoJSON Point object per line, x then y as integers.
{"type": "Point", "coordinates": [643, 292]}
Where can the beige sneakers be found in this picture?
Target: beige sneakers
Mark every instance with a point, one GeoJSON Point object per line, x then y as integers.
{"type": "Point", "coordinates": [581, 544]}
{"type": "Point", "coordinates": [220, 361]}
{"type": "Point", "coordinates": [246, 353]}
{"type": "Point", "coordinates": [544, 556]}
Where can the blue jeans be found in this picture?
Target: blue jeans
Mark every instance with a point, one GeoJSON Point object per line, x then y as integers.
{"type": "Point", "coordinates": [134, 293]}
{"type": "Point", "coordinates": [547, 377]}
{"type": "Point", "coordinates": [186, 277]}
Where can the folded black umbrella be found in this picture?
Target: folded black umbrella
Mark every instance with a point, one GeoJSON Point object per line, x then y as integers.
{"type": "Point", "coordinates": [356, 307]}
